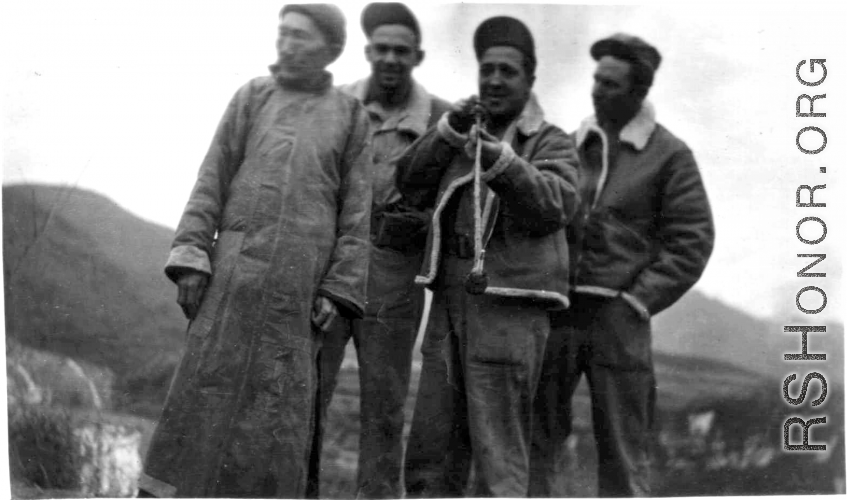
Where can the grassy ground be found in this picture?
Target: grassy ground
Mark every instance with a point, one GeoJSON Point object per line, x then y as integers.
{"type": "Point", "coordinates": [741, 455]}
{"type": "Point", "coordinates": [341, 442]}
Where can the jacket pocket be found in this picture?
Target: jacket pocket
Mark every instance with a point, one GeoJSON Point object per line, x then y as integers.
{"type": "Point", "coordinates": [614, 250]}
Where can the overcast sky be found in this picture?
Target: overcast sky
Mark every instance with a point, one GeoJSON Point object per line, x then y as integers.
{"type": "Point", "coordinates": [123, 98]}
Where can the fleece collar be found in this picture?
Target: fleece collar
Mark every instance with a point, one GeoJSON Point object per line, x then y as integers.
{"type": "Point", "coordinates": [531, 117]}
{"type": "Point", "coordinates": [636, 133]}
{"type": "Point", "coordinates": [414, 116]}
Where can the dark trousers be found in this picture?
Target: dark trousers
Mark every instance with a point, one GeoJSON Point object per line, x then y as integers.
{"type": "Point", "coordinates": [481, 361]}
{"type": "Point", "coordinates": [605, 339]}
{"type": "Point", "coordinates": [384, 341]}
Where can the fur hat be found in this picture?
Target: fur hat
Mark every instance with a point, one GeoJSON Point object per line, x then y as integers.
{"type": "Point", "coordinates": [328, 18]}
{"type": "Point", "coordinates": [508, 31]}
{"type": "Point", "coordinates": [629, 48]}
{"type": "Point", "coordinates": [379, 13]}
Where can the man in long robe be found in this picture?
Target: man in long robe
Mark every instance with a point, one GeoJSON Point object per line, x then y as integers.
{"type": "Point", "coordinates": [272, 246]}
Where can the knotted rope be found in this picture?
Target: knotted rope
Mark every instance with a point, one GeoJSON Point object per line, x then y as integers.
{"type": "Point", "coordinates": [477, 281]}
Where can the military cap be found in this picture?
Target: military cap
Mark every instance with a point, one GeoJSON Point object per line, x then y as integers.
{"type": "Point", "coordinates": [327, 17]}
{"type": "Point", "coordinates": [379, 13]}
{"type": "Point", "coordinates": [505, 31]}
{"type": "Point", "coordinates": [629, 48]}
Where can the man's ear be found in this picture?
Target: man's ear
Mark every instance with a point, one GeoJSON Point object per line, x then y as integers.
{"type": "Point", "coordinates": [421, 55]}
{"type": "Point", "coordinates": [640, 92]}
{"type": "Point", "coordinates": [336, 49]}
{"type": "Point", "coordinates": [368, 51]}
{"type": "Point", "coordinates": [531, 80]}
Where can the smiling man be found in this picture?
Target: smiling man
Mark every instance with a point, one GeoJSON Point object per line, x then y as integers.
{"type": "Point", "coordinates": [400, 110]}
{"type": "Point", "coordinates": [271, 248]}
{"type": "Point", "coordinates": [484, 345]}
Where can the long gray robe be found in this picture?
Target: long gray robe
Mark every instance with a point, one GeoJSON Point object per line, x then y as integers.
{"type": "Point", "coordinates": [280, 213]}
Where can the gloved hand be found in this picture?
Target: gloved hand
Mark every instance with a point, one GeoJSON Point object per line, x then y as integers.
{"type": "Point", "coordinates": [192, 288]}
{"type": "Point", "coordinates": [463, 117]}
{"type": "Point", "coordinates": [324, 312]}
{"type": "Point", "coordinates": [491, 147]}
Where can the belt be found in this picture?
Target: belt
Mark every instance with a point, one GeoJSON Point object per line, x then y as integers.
{"type": "Point", "coordinates": [459, 245]}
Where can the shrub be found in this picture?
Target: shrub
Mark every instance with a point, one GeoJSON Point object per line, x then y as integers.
{"type": "Point", "coordinates": [43, 450]}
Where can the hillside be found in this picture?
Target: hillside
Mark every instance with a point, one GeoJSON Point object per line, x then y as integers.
{"type": "Point", "coordinates": [83, 278]}
{"type": "Point", "coordinates": [705, 327]}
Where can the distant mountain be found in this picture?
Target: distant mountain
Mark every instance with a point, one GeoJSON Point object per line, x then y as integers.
{"type": "Point", "coordinates": [83, 278]}
{"type": "Point", "coordinates": [705, 327]}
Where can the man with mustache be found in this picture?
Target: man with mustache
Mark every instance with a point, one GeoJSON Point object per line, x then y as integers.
{"type": "Point", "coordinates": [484, 344]}
{"type": "Point", "coordinates": [400, 110]}
{"type": "Point", "coordinates": [272, 246]}
{"type": "Point", "coordinates": [641, 238]}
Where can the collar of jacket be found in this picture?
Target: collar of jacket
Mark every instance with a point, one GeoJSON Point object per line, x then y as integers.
{"type": "Point", "coordinates": [528, 123]}
{"type": "Point", "coordinates": [531, 118]}
{"type": "Point", "coordinates": [416, 112]}
{"type": "Point", "coordinates": [636, 133]}
{"type": "Point", "coordinates": [317, 85]}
